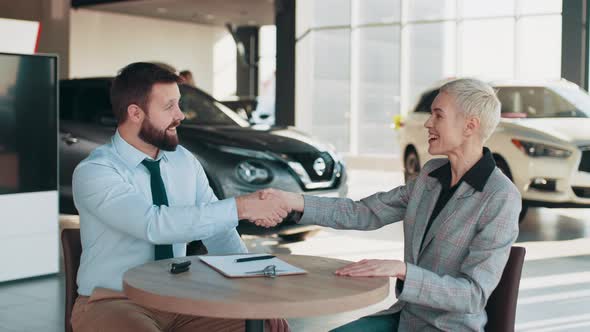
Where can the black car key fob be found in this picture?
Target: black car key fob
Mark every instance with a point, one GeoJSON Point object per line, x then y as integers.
{"type": "Point", "coordinates": [179, 267]}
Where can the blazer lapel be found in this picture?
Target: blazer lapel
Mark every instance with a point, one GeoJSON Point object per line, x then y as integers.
{"type": "Point", "coordinates": [446, 214]}
{"type": "Point", "coordinates": [432, 190]}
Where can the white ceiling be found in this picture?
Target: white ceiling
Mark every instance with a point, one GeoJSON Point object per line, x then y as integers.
{"type": "Point", "coordinates": [211, 12]}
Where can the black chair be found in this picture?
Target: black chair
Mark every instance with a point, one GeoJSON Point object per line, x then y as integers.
{"type": "Point", "coordinates": [72, 249]}
{"type": "Point", "coordinates": [501, 306]}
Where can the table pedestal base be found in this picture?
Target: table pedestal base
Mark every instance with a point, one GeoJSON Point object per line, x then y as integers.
{"type": "Point", "coordinates": [254, 325]}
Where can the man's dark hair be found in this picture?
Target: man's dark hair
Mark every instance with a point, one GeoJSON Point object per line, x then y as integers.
{"type": "Point", "coordinates": [133, 85]}
{"type": "Point", "coordinates": [185, 72]}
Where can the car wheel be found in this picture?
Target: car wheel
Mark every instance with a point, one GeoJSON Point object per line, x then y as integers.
{"type": "Point", "coordinates": [523, 210]}
{"type": "Point", "coordinates": [411, 165]}
{"type": "Point", "coordinates": [503, 166]}
{"type": "Point", "coordinates": [297, 237]}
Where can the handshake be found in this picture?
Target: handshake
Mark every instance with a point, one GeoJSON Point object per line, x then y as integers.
{"type": "Point", "coordinates": [268, 207]}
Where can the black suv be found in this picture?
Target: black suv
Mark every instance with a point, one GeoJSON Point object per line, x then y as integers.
{"type": "Point", "coordinates": [237, 158]}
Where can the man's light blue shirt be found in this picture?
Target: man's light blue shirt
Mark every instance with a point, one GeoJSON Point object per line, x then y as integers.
{"type": "Point", "coordinates": [119, 225]}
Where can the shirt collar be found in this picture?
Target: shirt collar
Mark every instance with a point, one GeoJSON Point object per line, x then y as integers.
{"type": "Point", "coordinates": [476, 177]}
{"type": "Point", "coordinates": [131, 155]}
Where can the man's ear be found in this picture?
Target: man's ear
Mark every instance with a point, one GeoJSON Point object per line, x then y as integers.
{"type": "Point", "coordinates": [135, 113]}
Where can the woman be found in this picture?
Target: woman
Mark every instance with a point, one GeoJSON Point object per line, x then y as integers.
{"type": "Point", "coordinates": [460, 219]}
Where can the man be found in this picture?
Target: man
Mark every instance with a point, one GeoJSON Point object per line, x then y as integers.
{"type": "Point", "coordinates": [187, 77]}
{"type": "Point", "coordinates": [460, 219]}
{"type": "Point", "coordinates": [143, 197]}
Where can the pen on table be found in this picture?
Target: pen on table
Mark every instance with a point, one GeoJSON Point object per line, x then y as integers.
{"type": "Point", "coordinates": [256, 258]}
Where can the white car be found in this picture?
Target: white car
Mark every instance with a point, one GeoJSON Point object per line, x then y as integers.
{"type": "Point", "coordinates": [542, 142]}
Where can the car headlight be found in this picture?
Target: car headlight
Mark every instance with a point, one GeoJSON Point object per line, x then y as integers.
{"type": "Point", "coordinates": [254, 172]}
{"type": "Point", "coordinates": [541, 150]}
{"type": "Point", "coordinates": [300, 171]}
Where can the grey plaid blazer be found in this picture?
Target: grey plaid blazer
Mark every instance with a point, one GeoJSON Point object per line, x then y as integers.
{"type": "Point", "coordinates": [449, 280]}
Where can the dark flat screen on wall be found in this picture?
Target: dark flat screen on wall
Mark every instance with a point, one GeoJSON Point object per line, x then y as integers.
{"type": "Point", "coordinates": [28, 123]}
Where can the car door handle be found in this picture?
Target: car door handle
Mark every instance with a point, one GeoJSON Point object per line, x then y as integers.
{"type": "Point", "coordinates": [69, 140]}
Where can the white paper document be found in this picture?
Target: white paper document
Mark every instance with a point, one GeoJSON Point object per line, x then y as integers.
{"type": "Point", "coordinates": [228, 266]}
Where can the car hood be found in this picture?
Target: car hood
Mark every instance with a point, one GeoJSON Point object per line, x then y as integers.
{"type": "Point", "coordinates": [566, 129]}
{"type": "Point", "coordinates": [278, 139]}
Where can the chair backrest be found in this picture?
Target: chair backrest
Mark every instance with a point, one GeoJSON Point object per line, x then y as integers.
{"type": "Point", "coordinates": [501, 306]}
{"type": "Point", "coordinates": [72, 247]}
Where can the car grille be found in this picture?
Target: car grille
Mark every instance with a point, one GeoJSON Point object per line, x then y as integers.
{"type": "Point", "coordinates": [583, 192]}
{"type": "Point", "coordinates": [307, 160]}
{"type": "Point", "coordinates": [585, 162]}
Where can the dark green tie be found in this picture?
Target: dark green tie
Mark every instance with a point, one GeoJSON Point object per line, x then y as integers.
{"type": "Point", "coordinates": [162, 251]}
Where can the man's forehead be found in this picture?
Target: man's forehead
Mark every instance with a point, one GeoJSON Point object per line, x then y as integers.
{"type": "Point", "coordinates": [165, 91]}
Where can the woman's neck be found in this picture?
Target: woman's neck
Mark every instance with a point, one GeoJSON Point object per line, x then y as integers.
{"type": "Point", "coordinates": [463, 160]}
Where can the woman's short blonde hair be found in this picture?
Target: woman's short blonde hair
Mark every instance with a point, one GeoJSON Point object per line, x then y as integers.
{"type": "Point", "coordinates": [478, 99]}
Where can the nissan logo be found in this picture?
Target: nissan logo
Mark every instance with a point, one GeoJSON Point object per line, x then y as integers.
{"type": "Point", "coordinates": [319, 166]}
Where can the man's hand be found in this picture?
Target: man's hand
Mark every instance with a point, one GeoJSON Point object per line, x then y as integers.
{"type": "Point", "coordinates": [374, 268]}
{"type": "Point", "coordinates": [291, 200]}
{"type": "Point", "coordinates": [276, 325]}
{"type": "Point", "coordinates": [266, 213]}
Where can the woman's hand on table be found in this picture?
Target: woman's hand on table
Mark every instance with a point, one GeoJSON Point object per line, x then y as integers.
{"type": "Point", "coordinates": [374, 268]}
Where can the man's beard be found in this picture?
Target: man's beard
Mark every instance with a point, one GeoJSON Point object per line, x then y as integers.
{"type": "Point", "coordinates": [158, 138]}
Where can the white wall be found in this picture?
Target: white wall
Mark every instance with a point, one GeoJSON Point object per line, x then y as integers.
{"type": "Point", "coordinates": [224, 66]}
{"type": "Point", "coordinates": [102, 43]}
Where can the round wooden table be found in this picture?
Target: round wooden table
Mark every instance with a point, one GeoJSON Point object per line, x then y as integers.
{"type": "Point", "coordinates": [203, 291]}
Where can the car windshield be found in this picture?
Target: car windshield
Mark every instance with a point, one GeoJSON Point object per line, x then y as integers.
{"type": "Point", "coordinates": [577, 97]}
{"type": "Point", "coordinates": [544, 102]}
{"type": "Point", "coordinates": [200, 109]}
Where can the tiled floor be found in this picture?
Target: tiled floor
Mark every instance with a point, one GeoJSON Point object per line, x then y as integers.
{"type": "Point", "coordinates": [554, 293]}
{"type": "Point", "coordinates": [32, 305]}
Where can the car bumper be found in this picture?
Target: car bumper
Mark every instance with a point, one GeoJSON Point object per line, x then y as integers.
{"type": "Point", "coordinates": [571, 189]}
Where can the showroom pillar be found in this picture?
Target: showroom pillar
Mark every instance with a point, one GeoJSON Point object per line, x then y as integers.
{"type": "Point", "coordinates": [574, 44]}
{"type": "Point", "coordinates": [285, 74]}
{"type": "Point", "coordinates": [247, 61]}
